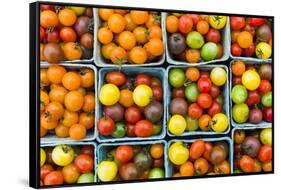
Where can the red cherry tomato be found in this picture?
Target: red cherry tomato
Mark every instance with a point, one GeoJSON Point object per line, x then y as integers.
{"type": "Point", "coordinates": [45, 170]}
{"type": "Point", "coordinates": [143, 79]}
{"type": "Point", "coordinates": [195, 111]}
{"type": "Point", "coordinates": [265, 86]}
{"type": "Point", "coordinates": [237, 23]}
{"type": "Point", "coordinates": [214, 108]}
{"type": "Point", "coordinates": [106, 126]}
{"type": "Point", "coordinates": [204, 100]}
{"type": "Point", "coordinates": [124, 153]}
{"type": "Point", "coordinates": [246, 163]}
{"type": "Point", "coordinates": [236, 50]}
{"type": "Point", "coordinates": [54, 178]}
{"type": "Point", "coordinates": [253, 98]}
{"type": "Point", "coordinates": [178, 92]}
{"type": "Point", "coordinates": [130, 130]}
{"type": "Point", "coordinates": [133, 114]}
{"type": "Point", "coordinates": [185, 24]}
{"type": "Point", "coordinates": [250, 51]}
{"type": "Point", "coordinates": [267, 114]}
{"type": "Point", "coordinates": [255, 22]}
{"type": "Point", "coordinates": [204, 84]}
{"type": "Point", "coordinates": [52, 35]}
{"type": "Point", "coordinates": [157, 93]}
{"type": "Point", "coordinates": [195, 18]}
{"type": "Point", "coordinates": [84, 163]}
{"type": "Point", "coordinates": [88, 149]}
{"type": "Point", "coordinates": [250, 29]}
{"type": "Point", "coordinates": [144, 128]}
{"type": "Point", "coordinates": [265, 153]}
{"type": "Point", "coordinates": [215, 91]}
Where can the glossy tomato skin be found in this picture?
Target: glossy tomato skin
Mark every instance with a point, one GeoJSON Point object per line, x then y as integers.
{"type": "Point", "coordinates": [250, 51]}
{"type": "Point", "coordinates": [124, 153]}
{"type": "Point", "coordinates": [197, 149]}
{"type": "Point", "coordinates": [236, 50]}
{"type": "Point", "coordinates": [195, 111]}
{"type": "Point", "coordinates": [143, 128]}
{"type": "Point", "coordinates": [215, 91]}
{"type": "Point", "coordinates": [255, 22]}
{"type": "Point", "coordinates": [52, 35]}
{"type": "Point", "coordinates": [116, 77]}
{"type": "Point", "coordinates": [157, 93]}
{"type": "Point", "coordinates": [204, 100]}
{"type": "Point", "coordinates": [133, 114]}
{"type": "Point", "coordinates": [143, 79]}
{"type": "Point", "coordinates": [178, 92]}
{"type": "Point", "coordinates": [185, 24]}
{"type": "Point", "coordinates": [250, 29]}
{"type": "Point", "coordinates": [267, 114]}
{"type": "Point", "coordinates": [253, 98]}
{"type": "Point", "coordinates": [237, 23]}
{"type": "Point", "coordinates": [106, 126]}
{"type": "Point", "coordinates": [88, 149]}
{"type": "Point", "coordinates": [45, 170]}
{"type": "Point", "coordinates": [53, 178]}
{"type": "Point", "coordinates": [246, 164]}
{"type": "Point", "coordinates": [130, 130]}
{"type": "Point", "coordinates": [42, 33]}
{"type": "Point", "coordinates": [265, 153]}
{"type": "Point", "coordinates": [204, 84]}
{"type": "Point", "coordinates": [214, 108]}
{"type": "Point", "coordinates": [265, 86]}
{"type": "Point", "coordinates": [84, 163]}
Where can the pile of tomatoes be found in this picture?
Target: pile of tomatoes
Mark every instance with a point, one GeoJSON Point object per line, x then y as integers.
{"type": "Point", "coordinates": [66, 33]}
{"type": "Point", "coordinates": [197, 102]}
{"type": "Point", "coordinates": [65, 164]}
{"type": "Point", "coordinates": [67, 102]}
{"type": "Point", "coordinates": [253, 150]}
{"type": "Point", "coordinates": [199, 158]}
{"type": "Point", "coordinates": [251, 37]}
{"type": "Point", "coordinates": [132, 162]}
{"type": "Point", "coordinates": [195, 38]}
{"type": "Point", "coordinates": [133, 36]}
{"type": "Point", "coordinates": [251, 92]}
{"type": "Point", "coordinates": [132, 105]}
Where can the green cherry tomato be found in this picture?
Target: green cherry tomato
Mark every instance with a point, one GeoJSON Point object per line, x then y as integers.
{"type": "Point", "coordinates": [156, 173]}
{"type": "Point", "coordinates": [239, 94]}
{"type": "Point", "coordinates": [240, 113]}
{"type": "Point", "coordinates": [191, 92]}
{"type": "Point", "coordinates": [266, 136]}
{"type": "Point", "coordinates": [86, 178]}
{"type": "Point", "coordinates": [192, 124]}
{"type": "Point", "coordinates": [157, 128]}
{"type": "Point", "coordinates": [266, 99]}
{"type": "Point", "coordinates": [176, 77]}
{"type": "Point", "coordinates": [209, 51]}
{"type": "Point", "coordinates": [194, 40]}
{"type": "Point", "coordinates": [119, 130]}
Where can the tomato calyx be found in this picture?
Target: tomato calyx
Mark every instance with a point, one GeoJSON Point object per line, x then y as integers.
{"type": "Point", "coordinates": [156, 19]}
{"type": "Point", "coordinates": [217, 19]}
{"type": "Point", "coordinates": [65, 149]}
{"type": "Point", "coordinates": [58, 8]}
{"type": "Point", "coordinates": [259, 53]}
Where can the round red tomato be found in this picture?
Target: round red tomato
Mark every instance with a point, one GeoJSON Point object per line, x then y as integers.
{"type": "Point", "coordinates": [255, 22]}
{"type": "Point", "coordinates": [265, 153]}
{"type": "Point", "coordinates": [88, 149]}
{"type": "Point", "coordinates": [246, 164]}
{"type": "Point", "coordinates": [195, 111]}
{"type": "Point", "coordinates": [185, 24]}
{"type": "Point", "coordinates": [237, 23]}
{"type": "Point", "coordinates": [178, 92]}
{"type": "Point", "coordinates": [45, 170]}
{"type": "Point", "coordinates": [143, 128]}
{"type": "Point", "coordinates": [215, 91]}
{"type": "Point", "coordinates": [133, 114]}
{"type": "Point", "coordinates": [84, 163]}
{"type": "Point", "coordinates": [143, 79]}
{"type": "Point", "coordinates": [250, 51]}
{"type": "Point", "coordinates": [204, 84]}
{"type": "Point", "coordinates": [130, 130]}
{"type": "Point", "coordinates": [197, 149]}
{"type": "Point", "coordinates": [195, 18]}
{"type": "Point", "coordinates": [236, 50]}
{"type": "Point", "coordinates": [204, 100]}
{"type": "Point", "coordinates": [124, 153]}
{"type": "Point", "coordinates": [106, 126]}
{"type": "Point", "coordinates": [265, 86]}
{"type": "Point", "coordinates": [214, 109]}
{"type": "Point", "coordinates": [53, 178]}
{"type": "Point", "coordinates": [267, 114]}
{"type": "Point", "coordinates": [157, 93]}
{"type": "Point", "coordinates": [213, 35]}
{"type": "Point", "coordinates": [52, 35]}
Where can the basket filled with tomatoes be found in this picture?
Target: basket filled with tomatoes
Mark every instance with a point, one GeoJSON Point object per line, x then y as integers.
{"type": "Point", "coordinates": [252, 150]}
{"type": "Point", "coordinates": [251, 93]}
{"type": "Point", "coordinates": [67, 102]}
{"type": "Point", "coordinates": [128, 38]}
{"type": "Point", "coordinates": [196, 39]}
{"type": "Point", "coordinates": [198, 100]}
{"type": "Point", "coordinates": [66, 34]}
{"type": "Point", "coordinates": [62, 164]}
{"type": "Point", "coordinates": [142, 160]}
{"type": "Point", "coordinates": [131, 104]}
{"type": "Point", "coordinates": [251, 38]}
{"type": "Point", "coordinates": [200, 157]}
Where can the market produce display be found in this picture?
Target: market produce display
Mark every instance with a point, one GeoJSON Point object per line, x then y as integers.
{"type": "Point", "coordinates": [67, 164]}
{"type": "Point", "coordinates": [194, 38]}
{"type": "Point", "coordinates": [131, 162]}
{"type": "Point", "coordinates": [66, 33]}
{"type": "Point", "coordinates": [199, 158]}
{"type": "Point", "coordinates": [130, 36]}
{"type": "Point", "coordinates": [197, 100]}
{"type": "Point", "coordinates": [251, 37]}
{"type": "Point", "coordinates": [99, 86]}
{"type": "Point", "coordinates": [251, 92]}
{"type": "Point", "coordinates": [67, 101]}
{"type": "Point", "coordinates": [252, 150]}
{"type": "Point", "coordinates": [132, 104]}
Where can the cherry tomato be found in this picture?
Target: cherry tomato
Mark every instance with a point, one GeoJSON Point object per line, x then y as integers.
{"type": "Point", "coordinates": [157, 93]}
{"type": "Point", "coordinates": [115, 77]}
{"type": "Point", "coordinates": [204, 84]}
{"type": "Point", "coordinates": [204, 100]}
{"type": "Point", "coordinates": [237, 23]}
{"type": "Point", "coordinates": [124, 153]}
{"type": "Point", "coordinates": [214, 109]}
{"type": "Point", "coordinates": [265, 153]}
{"type": "Point", "coordinates": [197, 149]}
{"type": "Point", "coordinates": [236, 50]}
{"type": "Point", "coordinates": [52, 35]}
{"type": "Point", "coordinates": [144, 128]}
{"type": "Point", "coordinates": [265, 86]}
{"type": "Point", "coordinates": [106, 126]}
{"type": "Point", "coordinates": [45, 170]}
{"type": "Point", "coordinates": [54, 178]}
{"type": "Point", "coordinates": [42, 34]}
{"type": "Point", "coordinates": [215, 91]}
{"type": "Point", "coordinates": [185, 24]}
{"type": "Point", "coordinates": [246, 164]}
{"type": "Point", "coordinates": [88, 149]}
{"type": "Point", "coordinates": [84, 163]}
{"type": "Point", "coordinates": [130, 130]}
{"type": "Point", "coordinates": [178, 92]}
{"type": "Point", "coordinates": [194, 111]}
{"type": "Point", "coordinates": [133, 114]}
{"type": "Point", "coordinates": [143, 79]}
{"type": "Point", "coordinates": [255, 22]}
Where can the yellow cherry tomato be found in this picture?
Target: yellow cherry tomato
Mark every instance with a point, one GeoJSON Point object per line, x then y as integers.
{"type": "Point", "coordinates": [218, 76]}
{"type": "Point", "coordinates": [142, 95]}
{"type": "Point", "coordinates": [217, 21]}
{"type": "Point", "coordinates": [109, 94]}
{"type": "Point", "coordinates": [42, 157]}
{"type": "Point", "coordinates": [178, 153]}
{"type": "Point", "coordinates": [219, 122]}
{"type": "Point", "coordinates": [263, 50]}
{"type": "Point", "coordinates": [251, 79]}
{"type": "Point", "coordinates": [177, 124]}
{"type": "Point", "coordinates": [107, 170]}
